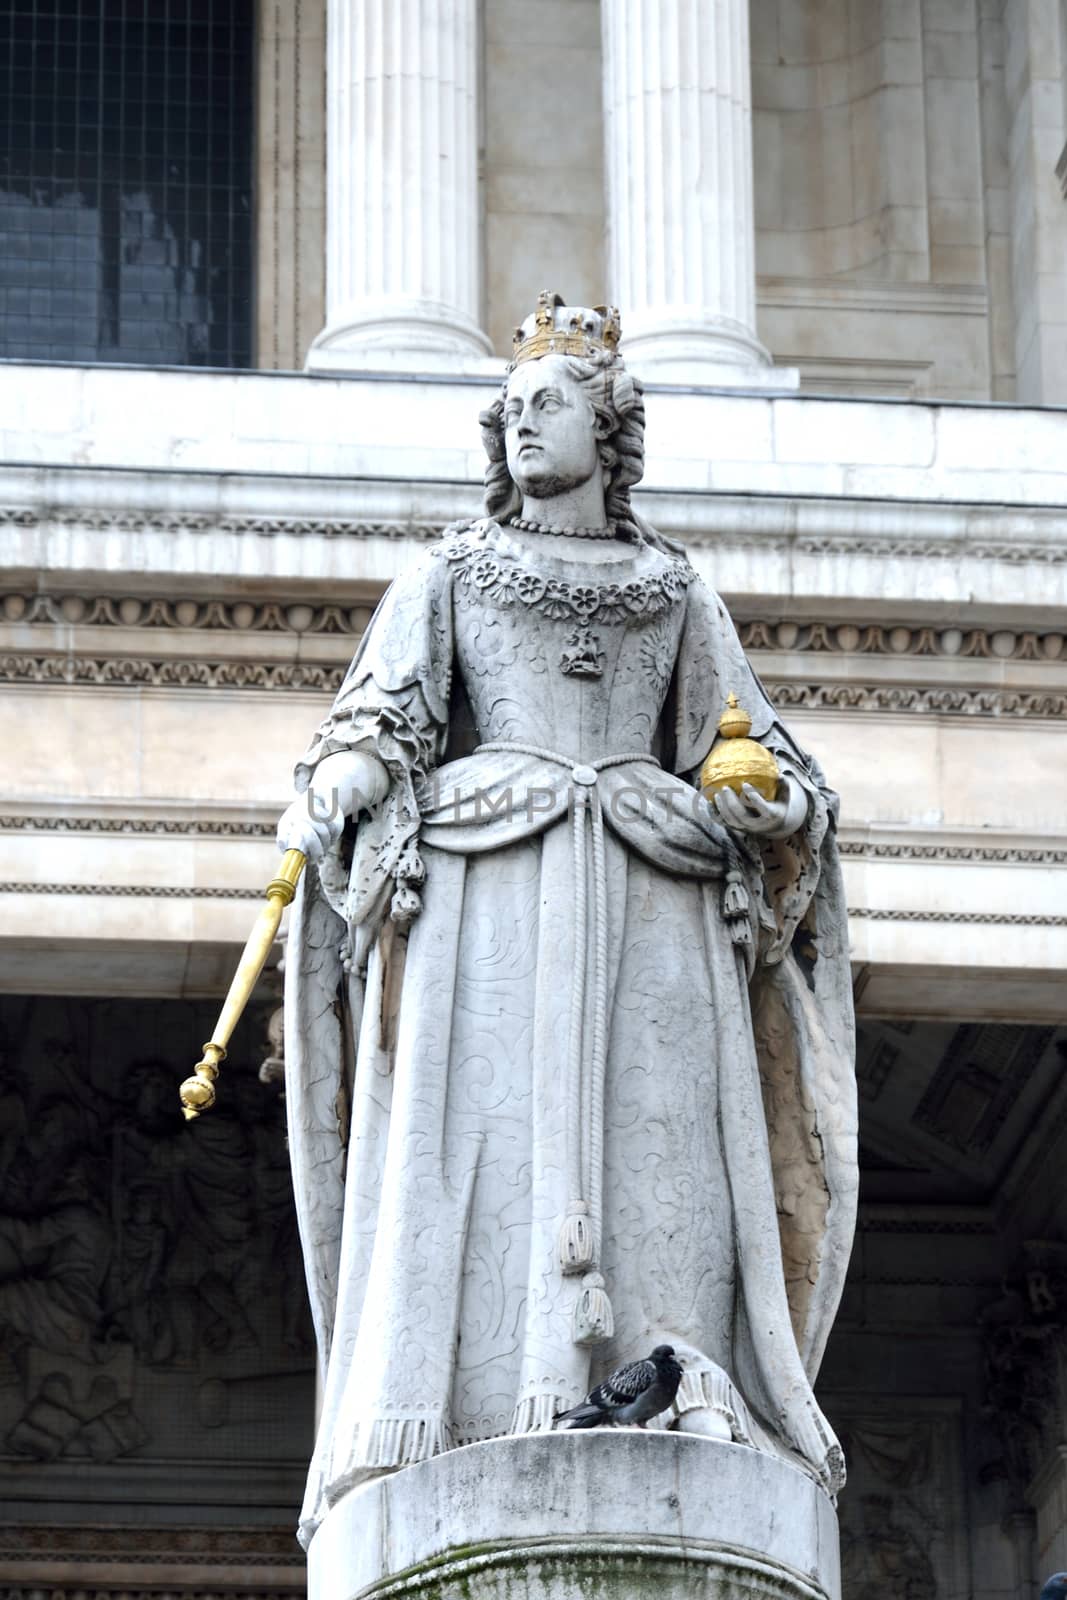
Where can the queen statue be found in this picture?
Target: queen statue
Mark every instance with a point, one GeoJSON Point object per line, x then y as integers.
{"type": "Point", "coordinates": [569, 1047]}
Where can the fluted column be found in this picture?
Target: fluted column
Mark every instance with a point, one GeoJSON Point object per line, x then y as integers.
{"type": "Point", "coordinates": [681, 232]}
{"type": "Point", "coordinates": [402, 238]}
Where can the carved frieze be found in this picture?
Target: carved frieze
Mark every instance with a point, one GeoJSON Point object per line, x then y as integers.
{"type": "Point", "coordinates": [1024, 1348]}
{"type": "Point", "coordinates": [151, 1293]}
{"type": "Point", "coordinates": [85, 661]}
{"type": "Point", "coordinates": [302, 617]}
{"type": "Point", "coordinates": [903, 1517]}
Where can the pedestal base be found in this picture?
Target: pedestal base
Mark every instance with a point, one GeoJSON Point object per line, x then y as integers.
{"type": "Point", "coordinates": [599, 1515]}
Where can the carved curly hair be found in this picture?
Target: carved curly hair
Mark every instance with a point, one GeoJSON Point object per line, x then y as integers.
{"type": "Point", "coordinates": [619, 408]}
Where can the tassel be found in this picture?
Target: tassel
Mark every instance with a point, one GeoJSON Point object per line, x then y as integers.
{"type": "Point", "coordinates": [594, 1319]}
{"type": "Point", "coordinates": [576, 1241]}
{"type": "Point", "coordinates": [405, 907]}
{"type": "Point", "coordinates": [735, 901]}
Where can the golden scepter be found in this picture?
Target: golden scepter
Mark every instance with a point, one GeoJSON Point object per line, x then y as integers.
{"type": "Point", "coordinates": [198, 1092]}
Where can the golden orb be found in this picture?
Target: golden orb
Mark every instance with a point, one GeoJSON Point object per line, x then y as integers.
{"type": "Point", "coordinates": [735, 759]}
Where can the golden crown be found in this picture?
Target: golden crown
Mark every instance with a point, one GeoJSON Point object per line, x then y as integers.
{"type": "Point", "coordinates": [556, 329]}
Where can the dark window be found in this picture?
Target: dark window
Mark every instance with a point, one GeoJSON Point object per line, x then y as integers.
{"type": "Point", "coordinates": [125, 181]}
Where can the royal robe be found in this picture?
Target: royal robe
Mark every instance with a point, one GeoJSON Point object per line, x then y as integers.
{"type": "Point", "coordinates": [570, 1067]}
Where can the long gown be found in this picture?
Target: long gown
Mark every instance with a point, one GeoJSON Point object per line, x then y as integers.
{"type": "Point", "coordinates": [570, 1073]}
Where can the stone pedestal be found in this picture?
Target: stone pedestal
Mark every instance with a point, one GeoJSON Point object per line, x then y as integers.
{"type": "Point", "coordinates": [583, 1516]}
{"type": "Point", "coordinates": [402, 247]}
{"type": "Point", "coordinates": [678, 159]}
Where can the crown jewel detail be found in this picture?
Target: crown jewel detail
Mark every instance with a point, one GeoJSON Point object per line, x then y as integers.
{"type": "Point", "coordinates": [557, 329]}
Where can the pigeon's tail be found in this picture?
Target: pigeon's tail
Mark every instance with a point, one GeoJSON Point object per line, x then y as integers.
{"type": "Point", "coordinates": [583, 1416]}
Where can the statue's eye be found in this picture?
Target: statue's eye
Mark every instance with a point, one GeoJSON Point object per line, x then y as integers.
{"type": "Point", "coordinates": [511, 415]}
{"type": "Point", "coordinates": [550, 402]}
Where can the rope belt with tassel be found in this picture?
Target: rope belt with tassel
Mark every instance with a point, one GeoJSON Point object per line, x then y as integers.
{"type": "Point", "coordinates": [580, 1236]}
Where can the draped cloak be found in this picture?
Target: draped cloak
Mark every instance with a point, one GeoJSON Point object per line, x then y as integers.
{"type": "Point", "coordinates": [519, 989]}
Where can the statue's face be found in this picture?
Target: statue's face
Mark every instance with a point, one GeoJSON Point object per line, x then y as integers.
{"type": "Point", "coordinates": [549, 429]}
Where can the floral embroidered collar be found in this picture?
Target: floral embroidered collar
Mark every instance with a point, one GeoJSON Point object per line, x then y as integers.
{"type": "Point", "coordinates": [482, 567]}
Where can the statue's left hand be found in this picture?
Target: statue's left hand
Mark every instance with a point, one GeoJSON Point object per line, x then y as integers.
{"type": "Point", "coordinates": [749, 812]}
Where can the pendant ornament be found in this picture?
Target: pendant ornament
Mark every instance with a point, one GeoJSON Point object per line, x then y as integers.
{"type": "Point", "coordinates": [582, 656]}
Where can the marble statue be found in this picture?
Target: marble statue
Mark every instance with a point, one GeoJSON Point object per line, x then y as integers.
{"type": "Point", "coordinates": [569, 1049]}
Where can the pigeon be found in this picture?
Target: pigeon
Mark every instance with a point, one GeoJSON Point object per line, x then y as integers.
{"type": "Point", "coordinates": [633, 1394]}
{"type": "Point", "coordinates": [1056, 1587]}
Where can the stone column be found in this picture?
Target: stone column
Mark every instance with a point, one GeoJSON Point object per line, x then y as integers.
{"type": "Point", "coordinates": [402, 237]}
{"type": "Point", "coordinates": [1035, 69]}
{"type": "Point", "coordinates": [290, 179]}
{"type": "Point", "coordinates": [681, 232]}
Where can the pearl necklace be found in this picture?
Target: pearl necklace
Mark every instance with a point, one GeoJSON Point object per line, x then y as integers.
{"type": "Point", "coordinates": [607, 532]}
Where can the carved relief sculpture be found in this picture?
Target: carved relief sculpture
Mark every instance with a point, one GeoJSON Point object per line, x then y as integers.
{"type": "Point", "coordinates": [569, 1047]}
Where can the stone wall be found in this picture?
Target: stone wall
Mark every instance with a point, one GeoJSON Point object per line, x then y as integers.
{"type": "Point", "coordinates": [909, 180]}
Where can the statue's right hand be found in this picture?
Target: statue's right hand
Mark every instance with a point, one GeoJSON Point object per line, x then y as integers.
{"type": "Point", "coordinates": [343, 784]}
{"type": "Point", "coordinates": [307, 825]}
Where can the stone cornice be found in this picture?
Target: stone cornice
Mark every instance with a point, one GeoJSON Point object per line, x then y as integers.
{"type": "Point", "coordinates": [279, 528]}
{"type": "Point", "coordinates": [844, 294]}
{"type": "Point", "coordinates": [154, 613]}
{"type": "Point", "coordinates": [135, 891]}
{"type": "Point", "coordinates": [932, 850]}
{"type": "Point", "coordinates": [208, 828]}
{"type": "Point", "coordinates": [809, 525]}
{"type": "Point", "coordinates": [877, 529]}
{"type": "Point", "coordinates": [170, 891]}
{"type": "Point", "coordinates": [152, 521]}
